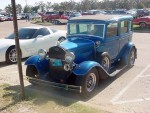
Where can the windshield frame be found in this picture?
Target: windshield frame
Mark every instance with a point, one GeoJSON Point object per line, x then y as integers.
{"type": "Point", "coordinates": [77, 29]}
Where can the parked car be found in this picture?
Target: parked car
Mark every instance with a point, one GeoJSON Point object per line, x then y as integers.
{"type": "Point", "coordinates": [142, 21]}
{"type": "Point", "coordinates": [119, 12]}
{"type": "Point", "coordinates": [31, 40]}
{"type": "Point", "coordinates": [74, 14]}
{"type": "Point", "coordinates": [142, 12]}
{"type": "Point", "coordinates": [97, 47]}
{"type": "Point", "coordinates": [2, 18]}
{"type": "Point", "coordinates": [93, 12]}
{"type": "Point", "coordinates": [48, 16]}
{"type": "Point", "coordinates": [8, 18]}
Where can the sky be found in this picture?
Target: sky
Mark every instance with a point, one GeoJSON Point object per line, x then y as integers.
{"type": "Point", "coordinates": [4, 3]}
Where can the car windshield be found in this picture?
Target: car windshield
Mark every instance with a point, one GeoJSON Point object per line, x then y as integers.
{"type": "Point", "coordinates": [24, 33]}
{"type": "Point", "coordinates": [88, 29]}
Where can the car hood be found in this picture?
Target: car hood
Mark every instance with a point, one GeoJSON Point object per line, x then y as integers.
{"type": "Point", "coordinates": [6, 42]}
{"type": "Point", "coordinates": [82, 48]}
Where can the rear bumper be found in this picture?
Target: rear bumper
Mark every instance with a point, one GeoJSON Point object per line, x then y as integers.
{"type": "Point", "coordinates": [56, 85]}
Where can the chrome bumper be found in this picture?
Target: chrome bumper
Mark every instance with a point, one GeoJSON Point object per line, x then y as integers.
{"type": "Point", "coordinates": [56, 85]}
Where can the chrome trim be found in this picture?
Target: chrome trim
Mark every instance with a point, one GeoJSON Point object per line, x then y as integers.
{"type": "Point", "coordinates": [54, 84]}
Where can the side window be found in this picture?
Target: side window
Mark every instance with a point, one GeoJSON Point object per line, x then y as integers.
{"type": "Point", "coordinates": [124, 27]}
{"type": "Point", "coordinates": [73, 29]}
{"type": "Point", "coordinates": [112, 30]}
{"type": "Point", "coordinates": [42, 31]}
{"type": "Point", "coordinates": [82, 28]}
{"type": "Point", "coordinates": [130, 25]}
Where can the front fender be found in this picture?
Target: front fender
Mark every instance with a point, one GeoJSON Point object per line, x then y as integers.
{"type": "Point", "coordinates": [83, 68]}
{"type": "Point", "coordinates": [42, 66]}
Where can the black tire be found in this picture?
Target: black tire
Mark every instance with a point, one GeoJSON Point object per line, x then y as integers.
{"type": "Point", "coordinates": [143, 24]}
{"type": "Point", "coordinates": [87, 90]}
{"type": "Point", "coordinates": [31, 71]}
{"type": "Point", "coordinates": [131, 58]}
{"type": "Point", "coordinates": [8, 60]}
{"type": "Point", "coordinates": [8, 55]}
{"type": "Point", "coordinates": [105, 62]}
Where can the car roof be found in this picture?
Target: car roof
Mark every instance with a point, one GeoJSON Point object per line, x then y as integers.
{"type": "Point", "coordinates": [102, 17]}
{"type": "Point", "coordinates": [34, 27]}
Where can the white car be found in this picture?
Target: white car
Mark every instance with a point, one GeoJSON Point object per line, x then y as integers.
{"type": "Point", "coordinates": [31, 40]}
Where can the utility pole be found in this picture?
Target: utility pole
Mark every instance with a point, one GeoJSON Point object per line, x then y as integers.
{"type": "Point", "coordinates": [22, 93]}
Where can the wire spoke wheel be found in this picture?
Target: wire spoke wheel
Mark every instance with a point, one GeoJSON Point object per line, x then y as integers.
{"type": "Point", "coordinates": [132, 57]}
{"type": "Point", "coordinates": [105, 63]}
{"type": "Point", "coordinates": [91, 82]}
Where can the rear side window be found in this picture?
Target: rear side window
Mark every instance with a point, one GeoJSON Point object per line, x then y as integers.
{"type": "Point", "coordinates": [124, 27]}
{"type": "Point", "coordinates": [42, 31]}
{"type": "Point", "coordinates": [112, 30]}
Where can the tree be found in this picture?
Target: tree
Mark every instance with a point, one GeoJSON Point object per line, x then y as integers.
{"type": "Point", "coordinates": [27, 9]}
{"type": "Point", "coordinates": [56, 6]}
{"type": "Point", "coordinates": [8, 9]}
{"type": "Point", "coordinates": [140, 6]}
{"type": "Point", "coordinates": [48, 6]}
{"type": "Point", "coordinates": [35, 9]}
{"type": "Point", "coordinates": [42, 6]}
{"type": "Point", "coordinates": [19, 8]}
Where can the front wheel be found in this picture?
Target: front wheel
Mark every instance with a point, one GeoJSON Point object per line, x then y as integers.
{"type": "Point", "coordinates": [11, 55]}
{"type": "Point", "coordinates": [89, 83]}
{"type": "Point", "coordinates": [31, 71]}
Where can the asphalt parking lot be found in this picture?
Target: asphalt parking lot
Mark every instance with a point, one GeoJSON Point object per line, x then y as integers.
{"type": "Point", "coordinates": [128, 92]}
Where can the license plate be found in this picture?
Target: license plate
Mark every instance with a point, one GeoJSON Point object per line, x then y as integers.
{"type": "Point", "coordinates": [56, 62]}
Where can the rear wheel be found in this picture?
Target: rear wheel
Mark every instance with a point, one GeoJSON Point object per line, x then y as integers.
{"type": "Point", "coordinates": [89, 83]}
{"type": "Point", "coordinates": [105, 62]}
{"type": "Point", "coordinates": [143, 24]}
{"type": "Point", "coordinates": [131, 58]}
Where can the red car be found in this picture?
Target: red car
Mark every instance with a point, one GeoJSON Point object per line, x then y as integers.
{"type": "Point", "coordinates": [53, 15]}
{"type": "Point", "coordinates": [142, 21]}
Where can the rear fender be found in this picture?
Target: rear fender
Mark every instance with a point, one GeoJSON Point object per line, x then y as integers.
{"type": "Point", "coordinates": [126, 53]}
{"type": "Point", "coordinates": [83, 68]}
{"type": "Point", "coordinates": [42, 66]}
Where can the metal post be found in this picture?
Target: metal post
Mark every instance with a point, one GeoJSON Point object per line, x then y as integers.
{"type": "Point", "coordinates": [22, 93]}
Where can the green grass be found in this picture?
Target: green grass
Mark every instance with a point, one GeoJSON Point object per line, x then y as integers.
{"type": "Point", "coordinates": [39, 22]}
{"type": "Point", "coordinates": [37, 102]}
{"type": "Point", "coordinates": [137, 28]}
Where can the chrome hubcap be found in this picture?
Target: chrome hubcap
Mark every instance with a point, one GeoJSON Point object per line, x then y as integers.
{"type": "Point", "coordinates": [91, 82]}
{"type": "Point", "coordinates": [13, 55]}
{"type": "Point", "coordinates": [106, 63]}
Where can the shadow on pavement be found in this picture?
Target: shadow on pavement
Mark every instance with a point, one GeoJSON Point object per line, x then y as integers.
{"type": "Point", "coordinates": [40, 95]}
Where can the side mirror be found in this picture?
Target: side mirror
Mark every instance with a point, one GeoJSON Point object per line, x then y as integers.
{"type": "Point", "coordinates": [39, 36]}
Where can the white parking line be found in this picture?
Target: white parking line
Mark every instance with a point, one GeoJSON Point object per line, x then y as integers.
{"type": "Point", "coordinates": [132, 101]}
{"type": "Point", "coordinates": [145, 76]}
{"type": "Point", "coordinates": [114, 100]}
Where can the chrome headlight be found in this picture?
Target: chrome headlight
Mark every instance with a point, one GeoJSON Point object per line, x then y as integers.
{"type": "Point", "coordinates": [69, 57]}
{"type": "Point", "coordinates": [42, 54]}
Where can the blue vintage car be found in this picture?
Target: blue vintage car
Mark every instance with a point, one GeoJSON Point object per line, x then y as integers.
{"type": "Point", "coordinates": [97, 47]}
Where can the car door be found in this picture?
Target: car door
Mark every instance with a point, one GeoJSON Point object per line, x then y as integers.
{"type": "Point", "coordinates": [112, 40]}
{"type": "Point", "coordinates": [38, 41]}
{"type": "Point", "coordinates": [125, 33]}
